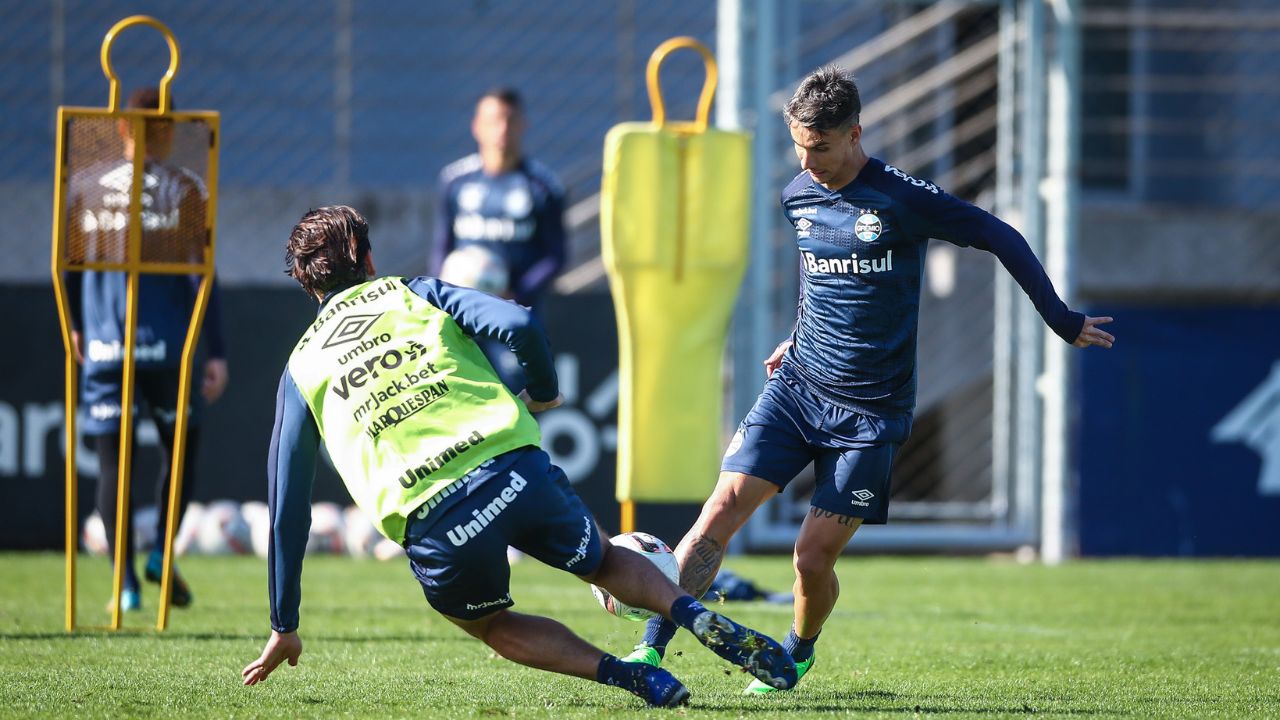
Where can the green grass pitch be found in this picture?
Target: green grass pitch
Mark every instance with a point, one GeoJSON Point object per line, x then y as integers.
{"type": "Point", "coordinates": [952, 638]}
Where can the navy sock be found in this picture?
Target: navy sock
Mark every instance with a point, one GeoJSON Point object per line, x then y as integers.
{"type": "Point", "coordinates": [612, 671]}
{"type": "Point", "coordinates": [799, 648]}
{"type": "Point", "coordinates": [684, 610]}
{"type": "Point", "coordinates": [659, 630]}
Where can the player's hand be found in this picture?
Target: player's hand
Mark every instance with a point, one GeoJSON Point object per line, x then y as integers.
{"type": "Point", "coordinates": [772, 362]}
{"type": "Point", "coordinates": [281, 647]}
{"type": "Point", "coordinates": [537, 405]}
{"type": "Point", "coordinates": [216, 376]}
{"type": "Point", "coordinates": [1091, 334]}
{"type": "Point", "coordinates": [75, 347]}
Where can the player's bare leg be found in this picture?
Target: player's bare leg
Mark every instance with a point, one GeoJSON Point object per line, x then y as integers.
{"type": "Point", "coordinates": [731, 504]}
{"type": "Point", "coordinates": [634, 580]}
{"type": "Point", "coordinates": [637, 582]}
{"type": "Point", "coordinates": [536, 641]}
{"type": "Point", "coordinates": [542, 643]}
{"type": "Point", "coordinates": [823, 537]}
{"type": "Point", "coordinates": [702, 549]}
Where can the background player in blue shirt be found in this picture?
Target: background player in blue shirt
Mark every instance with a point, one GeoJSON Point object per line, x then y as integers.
{"type": "Point", "coordinates": [174, 202]}
{"type": "Point", "coordinates": [506, 203]}
{"type": "Point", "coordinates": [841, 390]}
{"type": "Point", "coordinates": [464, 574]}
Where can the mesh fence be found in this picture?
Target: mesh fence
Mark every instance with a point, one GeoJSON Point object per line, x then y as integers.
{"type": "Point", "coordinates": [100, 182]}
{"type": "Point", "coordinates": [340, 101]}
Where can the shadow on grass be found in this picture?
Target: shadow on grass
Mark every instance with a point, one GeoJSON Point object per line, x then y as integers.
{"type": "Point", "coordinates": [883, 701]}
{"type": "Point", "coordinates": [152, 634]}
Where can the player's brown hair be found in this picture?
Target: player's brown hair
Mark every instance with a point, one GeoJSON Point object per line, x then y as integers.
{"type": "Point", "coordinates": [826, 100]}
{"type": "Point", "coordinates": [327, 250]}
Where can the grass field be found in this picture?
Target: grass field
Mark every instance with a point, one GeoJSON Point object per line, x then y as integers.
{"type": "Point", "coordinates": [957, 638]}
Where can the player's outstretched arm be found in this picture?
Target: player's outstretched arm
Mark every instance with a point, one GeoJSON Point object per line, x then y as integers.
{"type": "Point", "coordinates": [281, 647]}
{"type": "Point", "coordinates": [1091, 334]}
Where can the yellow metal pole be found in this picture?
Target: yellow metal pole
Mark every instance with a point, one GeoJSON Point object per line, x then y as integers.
{"type": "Point", "coordinates": [109, 71]}
{"type": "Point", "coordinates": [134, 246]}
{"type": "Point", "coordinates": [180, 440]}
{"type": "Point", "coordinates": [184, 381]}
{"type": "Point", "coordinates": [628, 516]}
{"type": "Point", "coordinates": [58, 266]}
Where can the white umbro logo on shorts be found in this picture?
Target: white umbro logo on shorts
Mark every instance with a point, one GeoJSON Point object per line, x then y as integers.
{"type": "Point", "coordinates": [861, 497]}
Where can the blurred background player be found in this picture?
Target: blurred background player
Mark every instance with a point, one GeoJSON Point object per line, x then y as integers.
{"type": "Point", "coordinates": [841, 391]}
{"type": "Point", "coordinates": [446, 461]}
{"type": "Point", "coordinates": [503, 202]}
{"type": "Point", "coordinates": [173, 201]}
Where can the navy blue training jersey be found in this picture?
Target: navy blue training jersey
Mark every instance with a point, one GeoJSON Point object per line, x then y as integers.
{"type": "Point", "coordinates": [172, 198]}
{"type": "Point", "coordinates": [517, 215]}
{"type": "Point", "coordinates": [295, 438]}
{"type": "Point", "coordinates": [862, 251]}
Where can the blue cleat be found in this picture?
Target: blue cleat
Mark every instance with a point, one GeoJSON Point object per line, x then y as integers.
{"type": "Point", "coordinates": [657, 687]}
{"type": "Point", "coordinates": [130, 600]}
{"type": "Point", "coordinates": [179, 593]}
{"type": "Point", "coordinates": [643, 654]}
{"type": "Point", "coordinates": [758, 688]}
{"type": "Point", "coordinates": [759, 655]}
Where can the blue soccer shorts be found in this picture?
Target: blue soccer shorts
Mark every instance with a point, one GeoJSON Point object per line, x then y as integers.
{"type": "Point", "coordinates": [852, 452]}
{"type": "Point", "coordinates": [460, 553]}
{"type": "Point", "coordinates": [102, 393]}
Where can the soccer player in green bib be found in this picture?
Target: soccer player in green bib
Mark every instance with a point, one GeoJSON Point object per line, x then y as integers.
{"type": "Point", "coordinates": [445, 460]}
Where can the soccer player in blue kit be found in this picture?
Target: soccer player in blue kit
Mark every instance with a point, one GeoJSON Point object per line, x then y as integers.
{"type": "Point", "coordinates": [841, 390]}
{"type": "Point", "coordinates": [445, 460]}
{"type": "Point", "coordinates": [507, 203]}
{"type": "Point", "coordinates": [174, 202]}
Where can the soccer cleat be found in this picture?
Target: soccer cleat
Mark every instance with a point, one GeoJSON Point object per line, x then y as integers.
{"type": "Point", "coordinates": [758, 688]}
{"type": "Point", "coordinates": [130, 601]}
{"type": "Point", "coordinates": [179, 593]}
{"type": "Point", "coordinates": [760, 655]}
{"type": "Point", "coordinates": [644, 654]}
{"type": "Point", "coordinates": [657, 687]}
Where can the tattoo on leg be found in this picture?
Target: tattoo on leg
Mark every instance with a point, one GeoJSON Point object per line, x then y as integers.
{"type": "Point", "coordinates": [845, 520]}
{"type": "Point", "coordinates": [701, 565]}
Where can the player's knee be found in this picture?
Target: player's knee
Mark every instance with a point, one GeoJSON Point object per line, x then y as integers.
{"type": "Point", "coordinates": [725, 511]}
{"type": "Point", "coordinates": [811, 566]}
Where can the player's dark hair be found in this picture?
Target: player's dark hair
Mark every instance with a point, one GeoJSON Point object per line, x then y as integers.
{"type": "Point", "coordinates": [506, 95]}
{"type": "Point", "coordinates": [146, 98]}
{"type": "Point", "coordinates": [826, 100]}
{"type": "Point", "coordinates": [327, 250]}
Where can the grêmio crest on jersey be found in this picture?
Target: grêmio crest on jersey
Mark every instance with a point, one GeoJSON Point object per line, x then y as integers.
{"type": "Point", "coordinates": [856, 253]}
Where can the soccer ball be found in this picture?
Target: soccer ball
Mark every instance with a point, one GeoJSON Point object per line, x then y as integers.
{"type": "Point", "coordinates": [258, 516]}
{"type": "Point", "coordinates": [192, 522]}
{"type": "Point", "coordinates": [476, 267]}
{"type": "Point", "coordinates": [653, 550]}
{"type": "Point", "coordinates": [327, 534]}
{"type": "Point", "coordinates": [360, 534]}
{"type": "Point", "coordinates": [223, 530]}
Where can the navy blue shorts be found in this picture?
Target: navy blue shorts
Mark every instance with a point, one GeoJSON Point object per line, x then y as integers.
{"type": "Point", "coordinates": [460, 554]}
{"type": "Point", "coordinates": [102, 391]}
{"type": "Point", "coordinates": [852, 452]}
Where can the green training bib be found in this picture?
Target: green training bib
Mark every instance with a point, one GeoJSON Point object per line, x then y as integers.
{"type": "Point", "coordinates": [406, 403]}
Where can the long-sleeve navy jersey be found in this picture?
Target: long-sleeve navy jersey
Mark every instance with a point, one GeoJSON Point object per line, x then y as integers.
{"type": "Point", "coordinates": [862, 251]}
{"type": "Point", "coordinates": [517, 215]}
{"type": "Point", "coordinates": [295, 438]}
{"type": "Point", "coordinates": [172, 199]}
